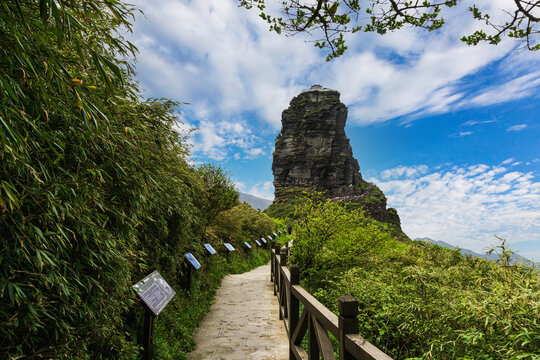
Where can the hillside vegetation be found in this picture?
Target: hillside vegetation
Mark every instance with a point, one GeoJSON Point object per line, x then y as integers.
{"type": "Point", "coordinates": [96, 191]}
{"type": "Point", "coordinates": [418, 300]}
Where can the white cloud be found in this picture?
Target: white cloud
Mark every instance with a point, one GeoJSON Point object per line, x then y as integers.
{"type": "Point", "coordinates": [253, 153]}
{"type": "Point", "coordinates": [507, 161]}
{"type": "Point", "coordinates": [464, 206]}
{"type": "Point", "coordinates": [221, 139]}
{"type": "Point", "coordinates": [477, 122]}
{"type": "Point", "coordinates": [523, 86]}
{"type": "Point", "coordinates": [462, 134]}
{"type": "Point", "coordinates": [223, 60]}
{"type": "Point", "coordinates": [517, 127]}
{"type": "Point", "coordinates": [404, 171]}
{"type": "Point", "coordinates": [219, 54]}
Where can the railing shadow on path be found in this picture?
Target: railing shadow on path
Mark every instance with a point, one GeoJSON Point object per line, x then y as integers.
{"type": "Point", "coordinates": [316, 320]}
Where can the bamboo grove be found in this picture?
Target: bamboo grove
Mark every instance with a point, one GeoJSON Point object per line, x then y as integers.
{"type": "Point", "coordinates": [95, 182]}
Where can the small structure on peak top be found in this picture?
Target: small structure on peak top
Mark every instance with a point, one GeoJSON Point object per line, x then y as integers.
{"type": "Point", "coordinates": [313, 153]}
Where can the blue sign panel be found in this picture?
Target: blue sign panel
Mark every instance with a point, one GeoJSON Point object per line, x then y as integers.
{"type": "Point", "coordinates": [155, 292]}
{"type": "Point", "coordinates": [258, 243]}
{"type": "Point", "coordinates": [263, 240]}
{"type": "Point", "coordinates": [274, 234]}
{"type": "Point", "coordinates": [191, 259]}
{"type": "Point", "coordinates": [247, 244]}
{"type": "Point", "coordinates": [228, 246]}
{"type": "Point", "coordinates": [269, 237]}
{"type": "Point", "coordinates": [210, 249]}
{"type": "Point", "coordinates": [279, 231]}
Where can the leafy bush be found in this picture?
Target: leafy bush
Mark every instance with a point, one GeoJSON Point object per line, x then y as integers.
{"type": "Point", "coordinates": [423, 301]}
{"type": "Point", "coordinates": [241, 223]}
{"type": "Point", "coordinates": [331, 237]}
{"type": "Point", "coordinates": [96, 190]}
{"type": "Point", "coordinates": [418, 300]}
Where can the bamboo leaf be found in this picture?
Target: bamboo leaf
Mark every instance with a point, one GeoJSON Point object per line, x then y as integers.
{"type": "Point", "coordinates": [43, 11]}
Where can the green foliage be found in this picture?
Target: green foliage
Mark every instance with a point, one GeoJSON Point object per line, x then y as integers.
{"type": "Point", "coordinates": [281, 223]}
{"type": "Point", "coordinates": [330, 237]}
{"type": "Point", "coordinates": [95, 188]}
{"type": "Point", "coordinates": [331, 19]}
{"type": "Point", "coordinates": [239, 224]}
{"type": "Point", "coordinates": [219, 193]}
{"type": "Point", "coordinates": [424, 301]}
{"type": "Point", "coordinates": [284, 207]}
{"type": "Point", "coordinates": [417, 300]}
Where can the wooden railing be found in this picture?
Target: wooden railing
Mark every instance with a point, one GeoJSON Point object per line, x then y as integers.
{"type": "Point", "coordinates": [316, 320]}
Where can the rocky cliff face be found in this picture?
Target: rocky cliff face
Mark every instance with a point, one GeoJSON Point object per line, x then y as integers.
{"type": "Point", "coordinates": [312, 152]}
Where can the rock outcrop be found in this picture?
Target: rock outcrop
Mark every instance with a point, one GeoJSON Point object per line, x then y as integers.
{"type": "Point", "coordinates": [312, 152]}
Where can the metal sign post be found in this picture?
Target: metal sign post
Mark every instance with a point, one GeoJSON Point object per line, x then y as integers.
{"type": "Point", "coordinates": [148, 335]}
{"type": "Point", "coordinates": [192, 264]}
{"type": "Point", "coordinates": [156, 294]}
{"type": "Point", "coordinates": [229, 248]}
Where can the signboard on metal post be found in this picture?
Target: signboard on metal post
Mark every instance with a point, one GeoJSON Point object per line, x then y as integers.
{"type": "Point", "coordinates": [155, 292]}
{"type": "Point", "coordinates": [229, 246]}
{"type": "Point", "coordinates": [275, 235]}
{"type": "Point", "coordinates": [258, 243]}
{"type": "Point", "coordinates": [263, 240]}
{"type": "Point", "coordinates": [194, 262]}
{"type": "Point", "coordinates": [247, 245]}
{"type": "Point", "coordinates": [210, 249]}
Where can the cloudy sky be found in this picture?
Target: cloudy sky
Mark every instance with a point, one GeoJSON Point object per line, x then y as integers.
{"type": "Point", "coordinates": [449, 132]}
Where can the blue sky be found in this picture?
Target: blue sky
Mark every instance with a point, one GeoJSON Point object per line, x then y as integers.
{"type": "Point", "coordinates": [449, 132]}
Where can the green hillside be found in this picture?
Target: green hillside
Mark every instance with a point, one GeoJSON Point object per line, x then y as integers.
{"type": "Point", "coordinates": [418, 300]}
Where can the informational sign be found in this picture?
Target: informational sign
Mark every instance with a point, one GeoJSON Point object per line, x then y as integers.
{"type": "Point", "coordinates": [269, 237]}
{"type": "Point", "coordinates": [275, 235]}
{"type": "Point", "coordinates": [155, 292]}
{"type": "Point", "coordinates": [228, 246]}
{"type": "Point", "coordinates": [279, 231]}
{"type": "Point", "coordinates": [194, 262]}
{"type": "Point", "coordinates": [258, 243]}
{"type": "Point", "coordinates": [210, 249]}
{"type": "Point", "coordinates": [263, 240]}
{"type": "Point", "coordinates": [247, 244]}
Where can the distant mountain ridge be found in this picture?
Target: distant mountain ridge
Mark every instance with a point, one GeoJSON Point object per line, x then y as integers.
{"type": "Point", "coordinates": [255, 202]}
{"type": "Point", "coordinates": [492, 256]}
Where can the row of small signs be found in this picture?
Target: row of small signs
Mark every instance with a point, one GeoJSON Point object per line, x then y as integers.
{"type": "Point", "coordinates": [156, 293]}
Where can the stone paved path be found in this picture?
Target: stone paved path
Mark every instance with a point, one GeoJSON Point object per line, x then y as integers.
{"type": "Point", "coordinates": [243, 323]}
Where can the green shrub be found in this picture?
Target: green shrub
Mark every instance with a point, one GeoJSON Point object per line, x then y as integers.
{"type": "Point", "coordinates": [241, 223]}
{"type": "Point", "coordinates": [330, 237]}
{"type": "Point", "coordinates": [96, 190]}
{"type": "Point", "coordinates": [425, 301]}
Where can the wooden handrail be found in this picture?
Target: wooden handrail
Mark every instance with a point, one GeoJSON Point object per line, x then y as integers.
{"type": "Point", "coordinates": [316, 320]}
{"type": "Point", "coordinates": [325, 316]}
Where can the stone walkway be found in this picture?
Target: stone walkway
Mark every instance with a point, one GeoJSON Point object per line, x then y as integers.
{"type": "Point", "coordinates": [243, 322]}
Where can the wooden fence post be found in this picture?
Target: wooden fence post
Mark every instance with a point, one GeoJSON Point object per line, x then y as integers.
{"type": "Point", "coordinates": [294, 307]}
{"type": "Point", "coordinates": [283, 257]}
{"type": "Point", "coordinates": [272, 260]}
{"type": "Point", "coordinates": [282, 283]}
{"type": "Point", "coordinates": [276, 269]}
{"type": "Point", "coordinates": [347, 323]}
